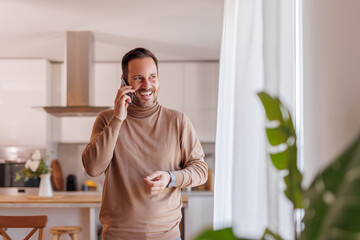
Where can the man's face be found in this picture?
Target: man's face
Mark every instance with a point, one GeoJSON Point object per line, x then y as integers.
{"type": "Point", "coordinates": [143, 77]}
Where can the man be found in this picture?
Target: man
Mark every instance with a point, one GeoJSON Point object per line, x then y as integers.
{"type": "Point", "coordinates": [148, 153]}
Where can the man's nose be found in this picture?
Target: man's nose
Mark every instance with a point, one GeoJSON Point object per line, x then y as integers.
{"type": "Point", "coordinates": [146, 83]}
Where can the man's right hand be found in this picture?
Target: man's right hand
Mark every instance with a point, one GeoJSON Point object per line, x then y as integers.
{"type": "Point", "coordinates": [122, 102]}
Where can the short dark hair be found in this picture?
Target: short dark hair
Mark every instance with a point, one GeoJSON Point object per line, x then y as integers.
{"type": "Point", "coordinates": [133, 54]}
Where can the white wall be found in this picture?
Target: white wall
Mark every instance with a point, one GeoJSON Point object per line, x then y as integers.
{"type": "Point", "coordinates": [331, 80]}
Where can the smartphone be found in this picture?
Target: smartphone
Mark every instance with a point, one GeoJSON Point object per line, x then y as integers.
{"type": "Point", "coordinates": [125, 82]}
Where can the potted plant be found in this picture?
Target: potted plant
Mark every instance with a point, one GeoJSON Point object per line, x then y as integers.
{"type": "Point", "coordinates": [34, 168]}
{"type": "Point", "coordinates": [331, 202]}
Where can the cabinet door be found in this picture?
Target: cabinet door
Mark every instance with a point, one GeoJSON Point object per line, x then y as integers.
{"type": "Point", "coordinates": [200, 98]}
{"type": "Point", "coordinates": [201, 85]}
{"type": "Point", "coordinates": [107, 82]}
{"type": "Point", "coordinates": [200, 214]}
{"type": "Point", "coordinates": [22, 86]}
{"type": "Point", "coordinates": [171, 94]}
{"type": "Point", "coordinates": [204, 122]}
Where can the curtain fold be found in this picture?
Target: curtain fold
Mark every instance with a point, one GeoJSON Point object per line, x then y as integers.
{"type": "Point", "coordinates": [248, 191]}
{"type": "Point", "coordinates": [225, 120]}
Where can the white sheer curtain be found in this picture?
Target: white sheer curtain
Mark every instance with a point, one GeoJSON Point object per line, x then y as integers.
{"type": "Point", "coordinates": [256, 54]}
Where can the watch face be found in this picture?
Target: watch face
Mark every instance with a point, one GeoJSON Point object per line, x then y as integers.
{"type": "Point", "coordinates": [173, 179]}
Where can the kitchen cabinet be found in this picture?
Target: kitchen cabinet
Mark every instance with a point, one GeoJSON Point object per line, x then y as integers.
{"type": "Point", "coordinates": [199, 214]}
{"type": "Point", "coordinates": [200, 99]}
{"type": "Point", "coordinates": [201, 85]}
{"type": "Point", "coordinates": [107, 79]}
{"type": "Point", "coordinates": [23, 85]}
{"type": "Point", "coordinates": [192, 88]}
{"type": "Point", "coordinates": [171, 93]}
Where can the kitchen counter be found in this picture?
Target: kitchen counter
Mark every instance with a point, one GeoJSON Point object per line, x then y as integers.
{"type": "Point", "coordinates": [60, 198]}
{"type": "Point", "coordinates": [64, 208]}
{"type": "Point", "coordinates": [61, 209]}
{"type": "Point", "coordinates": [69, 199]}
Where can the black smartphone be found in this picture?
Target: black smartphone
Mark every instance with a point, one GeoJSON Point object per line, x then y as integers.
{"type": "Point", "coordinates": [125, 82]}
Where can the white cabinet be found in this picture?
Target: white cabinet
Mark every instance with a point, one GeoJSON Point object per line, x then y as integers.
{"type": "Point", "coordinates": [192, 88]}
{"type": "Point", "coordinates": [204, 122]}
{"type": "Point", "coordinates": [199, 214]}
{"type": "Point", "coordinates": [23, 85]}
{"type": "Point", "coordinates": [189, 87]}
{"type": "Point", "coordinates": [107, 82]}
{"type": "Point", "coordinates": [201, 85]}
{"type": "Point", "coordinates": [200, 98]}
{"type": "Point", "coordinates": [171, 79]}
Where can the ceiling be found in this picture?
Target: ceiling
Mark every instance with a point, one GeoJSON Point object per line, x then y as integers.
{"type": "Point", "coordinates": [175, 30]}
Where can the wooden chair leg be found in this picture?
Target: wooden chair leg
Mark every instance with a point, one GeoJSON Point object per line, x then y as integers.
{"type": "Point", "coordinates": [41, 234]}
{"type": "Point", "coordinates": [55, 237]}
{"type": "Point", "coordinates": [4, 234]}
{"type": "Point", "coordinates": [74, 236]}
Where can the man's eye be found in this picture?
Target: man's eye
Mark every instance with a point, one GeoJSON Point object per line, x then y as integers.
{"type": "Point", "coordinates": [137, 78]}
{"type": "Point", "coordinates": [153, 76]}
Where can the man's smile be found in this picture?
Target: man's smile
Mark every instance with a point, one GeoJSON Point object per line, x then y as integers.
{"type": "Point", "coordinates": [145, 95]}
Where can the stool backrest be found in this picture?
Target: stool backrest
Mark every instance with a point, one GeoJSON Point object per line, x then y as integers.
{"type": "Point", "coordinates": [35, 222]}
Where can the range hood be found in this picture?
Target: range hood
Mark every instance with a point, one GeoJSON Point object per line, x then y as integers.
{"type": "Point", "coordinates": [79, 77]}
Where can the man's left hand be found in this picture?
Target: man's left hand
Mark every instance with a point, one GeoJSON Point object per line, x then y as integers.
{"type": "Point", "coordinates": [157, 182]}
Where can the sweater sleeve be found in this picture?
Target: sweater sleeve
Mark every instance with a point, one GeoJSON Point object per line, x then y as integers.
{"type": "Point", "coordinates": [98, 153]}
{"type": "Point", "coordinates": [195, 170]}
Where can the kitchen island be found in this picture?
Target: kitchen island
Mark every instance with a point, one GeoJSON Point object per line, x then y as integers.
{"type": "Point", "coordinates": [76, 209]}
{"type": "Point", "coordinates": [64, 208]}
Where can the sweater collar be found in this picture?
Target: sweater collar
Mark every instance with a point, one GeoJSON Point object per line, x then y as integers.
{"type": "Point", "coordinates": [140, 112]}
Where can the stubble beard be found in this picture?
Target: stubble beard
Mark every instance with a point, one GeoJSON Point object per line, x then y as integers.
{"type": "Point", "coordinates": [144, 104]}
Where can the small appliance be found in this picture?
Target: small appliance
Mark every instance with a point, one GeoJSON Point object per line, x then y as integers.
{"type": "Point", "coordinates": [13, 159]}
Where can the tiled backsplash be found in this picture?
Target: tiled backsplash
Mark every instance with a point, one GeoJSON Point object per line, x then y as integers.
{"type": "Point", "coordinates": [70, 159]}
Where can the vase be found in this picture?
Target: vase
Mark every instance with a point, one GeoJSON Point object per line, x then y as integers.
{"type": "Point", "coordinates": [45, 189]}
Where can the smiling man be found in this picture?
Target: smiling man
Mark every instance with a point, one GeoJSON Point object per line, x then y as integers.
{"type": "Point", "coordinates": [147, 152]}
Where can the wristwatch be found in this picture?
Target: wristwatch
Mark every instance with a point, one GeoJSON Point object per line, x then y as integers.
{"type": "Point", "coordinates": [172, 180]}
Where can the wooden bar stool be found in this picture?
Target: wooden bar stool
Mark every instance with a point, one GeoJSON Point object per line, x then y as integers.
{"type": "Point", "coordinates": [73, 231]}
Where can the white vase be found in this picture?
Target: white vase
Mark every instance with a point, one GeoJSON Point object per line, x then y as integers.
{"type": "Point", "coordinates": [45, 189]}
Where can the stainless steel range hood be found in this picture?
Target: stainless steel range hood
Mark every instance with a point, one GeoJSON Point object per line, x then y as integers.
{"type": "Point", "coordinates": [79, 74]}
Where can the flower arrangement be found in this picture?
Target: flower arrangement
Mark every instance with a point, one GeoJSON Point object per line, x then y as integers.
{"type": "Point", "coordinates": [34, 167]}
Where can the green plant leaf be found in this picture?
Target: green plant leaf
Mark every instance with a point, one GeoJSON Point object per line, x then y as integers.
{"type": "Point", "coordinates": [277, 135]}
{"type": "Point", "coordinates": [280, 160]}
{"type": "Point", "coordinates": [268, 234]}
{"type": "Point", "coordinates": [223, 234]}
{"type": "Point", "coordinates": [271, 105]}
{"type": "Point", "coordinates": [281, 132]}
{"type": "Point", "coordinates": [227, 234]}
{"type": "Point", "coordinates": [334, 199]}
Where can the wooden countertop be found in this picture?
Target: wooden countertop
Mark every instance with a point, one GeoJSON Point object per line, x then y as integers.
{"type": "Point", "coordinates": [60, 199]}
{"type": "Point", "coordinates": [54, 199]}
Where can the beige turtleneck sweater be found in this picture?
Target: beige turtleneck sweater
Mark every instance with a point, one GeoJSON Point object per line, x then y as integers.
{"type": "Point", "coordinates": [149, 140]}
